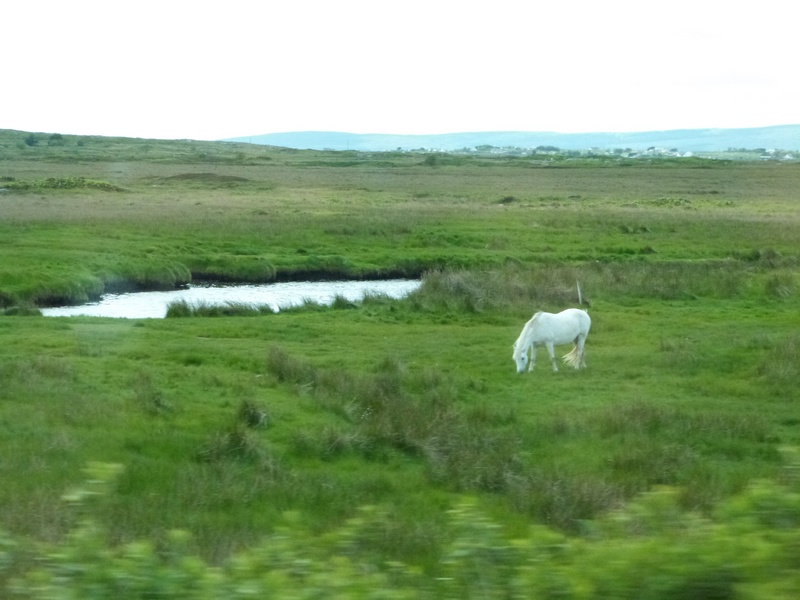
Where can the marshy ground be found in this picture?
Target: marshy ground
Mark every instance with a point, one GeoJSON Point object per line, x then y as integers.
{"type": "Point", "coordinates": [224, 424]}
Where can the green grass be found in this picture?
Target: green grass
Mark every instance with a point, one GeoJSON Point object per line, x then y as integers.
{"type": "Point", "coordinates": [247, 219]}
{"type": "Point", "coordinates": [673, 395]}
{"type": "Point", "coordinates": [225, 425]}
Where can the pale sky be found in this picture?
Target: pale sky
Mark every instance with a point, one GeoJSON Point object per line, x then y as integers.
{"type": "Point", "coordinates": [211, 70]}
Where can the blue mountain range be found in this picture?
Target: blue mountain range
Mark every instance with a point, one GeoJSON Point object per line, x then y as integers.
{"type": "Point", "coordinates": [784, 137]}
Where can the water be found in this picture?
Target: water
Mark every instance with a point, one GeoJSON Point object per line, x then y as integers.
{"type": "Point", "coordinates": [153, 305]}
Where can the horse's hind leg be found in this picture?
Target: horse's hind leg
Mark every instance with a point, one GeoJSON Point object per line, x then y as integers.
{"type": "Point", "coordinates": [551, 351]}
{"type": "Point", "coordinates": [581, 355]}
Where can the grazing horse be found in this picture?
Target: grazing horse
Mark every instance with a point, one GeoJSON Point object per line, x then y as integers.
{"type": "Point", "coordinates": [548, 330]}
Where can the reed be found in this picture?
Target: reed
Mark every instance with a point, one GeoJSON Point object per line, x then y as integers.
{"type": "Point", "coordinates": [183, 308]}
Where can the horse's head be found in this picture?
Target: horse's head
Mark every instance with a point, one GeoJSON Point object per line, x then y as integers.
{"type": "Point", "coordinates": [520, 357]}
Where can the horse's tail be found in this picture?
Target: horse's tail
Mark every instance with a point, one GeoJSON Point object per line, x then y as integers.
{"type": "Point", "coordinates": [571, 358]}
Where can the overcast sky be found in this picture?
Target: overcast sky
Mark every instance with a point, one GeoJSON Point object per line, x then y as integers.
{"type": "Point", "coordinates": [211, 70]}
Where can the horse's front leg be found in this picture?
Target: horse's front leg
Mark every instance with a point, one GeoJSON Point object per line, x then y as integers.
{"type": "Point", "coordinates": [551, 351]}
{"type": "Point", "coordinates": [532, 361]}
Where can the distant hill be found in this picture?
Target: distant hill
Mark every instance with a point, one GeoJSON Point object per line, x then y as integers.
{"type": "Point", "coordinates": [784, 137]}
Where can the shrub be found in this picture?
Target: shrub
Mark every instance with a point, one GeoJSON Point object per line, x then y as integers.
{"type": "Point", "coordinates": [252, 414]}
{"type": "Point", "coordinates": [236, 443]}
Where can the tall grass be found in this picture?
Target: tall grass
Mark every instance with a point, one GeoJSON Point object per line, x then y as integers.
{"type": "Point", "coordinates": [781, 367]}
{"type": "Point", "coordinates": [183, 308]}
{"type": "Point", "coordinates": [550, 286]}
{"type": "Point", "coordinates": [393, 411]}
{"type": "Point", "coordinates": [422, 416]}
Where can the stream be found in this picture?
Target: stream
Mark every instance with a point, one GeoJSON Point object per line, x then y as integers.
{"type": "Point", "coordinates": [153, 305]}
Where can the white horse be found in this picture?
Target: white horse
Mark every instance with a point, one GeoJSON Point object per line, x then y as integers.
{"type": "Point", "coordinates": [548, 329]}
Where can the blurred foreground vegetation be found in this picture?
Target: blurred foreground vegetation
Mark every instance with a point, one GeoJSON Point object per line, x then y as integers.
{"type": "Point", "coordinates": [650, 549]}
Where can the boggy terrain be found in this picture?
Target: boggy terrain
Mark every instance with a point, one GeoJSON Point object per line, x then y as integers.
{"type": "Point", "coordinates": [390, 446]}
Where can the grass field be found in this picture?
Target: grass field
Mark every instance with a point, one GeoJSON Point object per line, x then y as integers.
{"type": "Point", "coordinates": [391, 447]}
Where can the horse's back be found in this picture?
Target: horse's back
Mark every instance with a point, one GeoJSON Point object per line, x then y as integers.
{"type": "Point", "coordinates": [572, 323]}
{"type": "Point", "coordinates": [557, 328]}
{"type": "Point", "coordinates": [579, 316]}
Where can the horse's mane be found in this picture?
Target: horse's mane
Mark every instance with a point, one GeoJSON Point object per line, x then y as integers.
{"type": "Point", "coordinates": [520, 345]}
